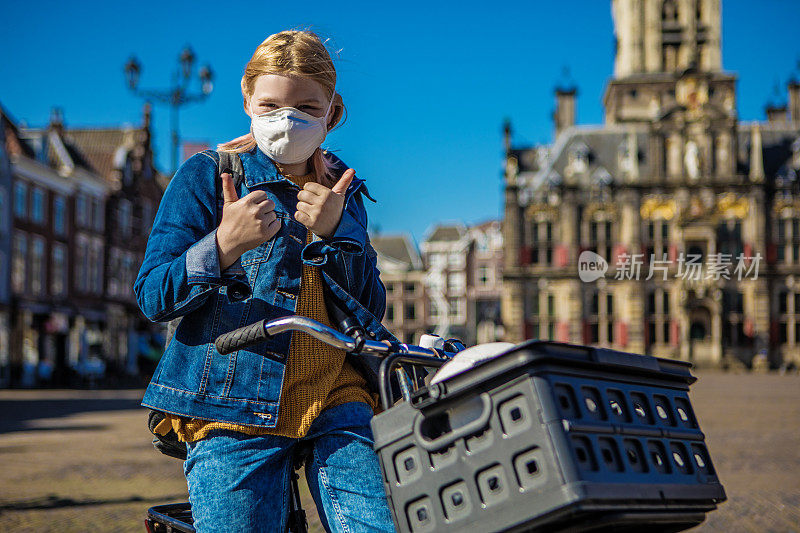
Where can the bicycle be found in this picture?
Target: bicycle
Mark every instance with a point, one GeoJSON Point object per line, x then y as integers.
{"type": "Point", "coordinates": [177, 517]}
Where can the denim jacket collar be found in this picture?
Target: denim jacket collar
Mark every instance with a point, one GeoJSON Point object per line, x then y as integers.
{"type": "Point", "coordinates": [259, 169]}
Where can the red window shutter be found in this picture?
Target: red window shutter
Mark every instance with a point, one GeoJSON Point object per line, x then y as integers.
{"type": "Point", "coordinates": [562, 333]}
{"type": "Point", "coordinates": [561, 254]}
{"type": "Point", "coordinates": [748, 250]}
{"type": "Point", "coordinates": [673, 253]}
{"type": "Point", "coordinates": [748, 327]}
{"type": "Point", "coordinates": [524, 255]}
{"type": "Point", "coordinates": [772, 253]}
{"type": "Point", "coordinates": [622, 333]}
{"type": "Point", "coordinates": [674, 332]}
{"type": "Point", "coordinates": [774, 332]}
{"type": "Point", "coordinates": [619, 250]}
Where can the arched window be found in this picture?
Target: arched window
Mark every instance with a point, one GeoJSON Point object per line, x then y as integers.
{"type": "Point", "coordinates": [669, 11]}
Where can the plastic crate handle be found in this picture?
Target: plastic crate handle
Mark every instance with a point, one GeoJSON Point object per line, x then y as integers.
{"type": "Point", "coordinates": [456, 433]}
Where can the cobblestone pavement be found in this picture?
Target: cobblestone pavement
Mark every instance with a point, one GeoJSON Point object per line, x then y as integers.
{"type": "Point", "coordinates": [82, 460]}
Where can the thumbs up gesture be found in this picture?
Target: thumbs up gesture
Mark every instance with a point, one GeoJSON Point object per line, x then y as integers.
{"type": "Point", "coordinates": [245, 224]}
{"type": "Point", "coordinates": [320, 208]}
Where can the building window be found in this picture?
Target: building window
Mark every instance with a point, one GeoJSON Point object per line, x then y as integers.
{"type": "Point", "coordinates": [37, 207]}
{"type": "Point", "coordinates": [789, 317]}
{"type": "Point", "coordinates": [656, 240]}
{"type": "Point", "coordinates": [128, 270]}
{"type": "Point", "coordinates": [59, 215]}
{"type": "Point", "coordinates": [456, 308]}
{"type": "Point", "coordinates": [434, 310]}
{"type": "Point", "coordinates": [147, 215]}
{"type": "Point", "coordinates": [542, 243]}
{"type": "Point", "coordinates": [114, 267]}
{"type": "Point", "coordinates": [409, 288]}
{"type": "Point", "coordinates": [81, 211]}
{"type": "Point", "coordinates": [599, 317]}
{"type": "Point", "coordinates": [483, 275]}
{"type": "Point", "coordinates": [38, 266]}
{"type": "Point", "coordinates": [124, 220]}
{"type": "Point", "coordinates": [541, 324]}
{"type": "Point", "coordinates": [437, 260]}
{"type": "Point", "coordinates": [729, 238]}
{"type": "Point", "coordinates": [81, 269]}
{"type": "Point", "coordinates": [788, 240]}
{"type": "Point", "coordinates": [20, 199]}
{"type": "Point", "coordinates": [411, 311]}
{"type": "Point", "coordinates": [456, 260]}
{"type": "Point", "coordinates": [95, 284]}
{"type": "Point", "coordinates": [58, 284]}
{"type": "Point", "coordinates": [599, 238]}
{"type": "Point", "coordinates": [733, 333]}
{"type": "Point", "coordinates": [390, 313]}
{"type": "Point", "coordinates": [390, 288]}
{"type": "Point", "coordinates": [98, 220]}
{"type": "Point", "coordinates": [658, 319]}
{"type": "Point", "coordinates": [19, 262]}
{"type": "Point", "coordinates": [456, 282]}
{"type": "Point", "coordinates": [669, 11]}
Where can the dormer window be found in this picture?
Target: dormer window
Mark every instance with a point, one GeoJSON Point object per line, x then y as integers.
{"type": "Point", "coordinates": [578, 160]}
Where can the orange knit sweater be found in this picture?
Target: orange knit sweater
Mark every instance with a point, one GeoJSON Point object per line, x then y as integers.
{"type": "Point", "coordinates": [317, 376]}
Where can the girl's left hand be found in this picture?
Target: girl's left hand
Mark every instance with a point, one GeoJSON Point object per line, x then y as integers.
{"type": "Point", "coordinates": [320, 208]}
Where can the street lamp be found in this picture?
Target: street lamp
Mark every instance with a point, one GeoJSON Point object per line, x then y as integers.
{"type": "Point", "coordinates": [177, 95]}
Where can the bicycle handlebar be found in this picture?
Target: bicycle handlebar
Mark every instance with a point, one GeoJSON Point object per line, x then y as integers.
{"type": "Point", "coordinates": [263, 330]}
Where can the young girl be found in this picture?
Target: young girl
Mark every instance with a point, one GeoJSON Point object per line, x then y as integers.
{"type": "Point", "coordinates": [295, 224]}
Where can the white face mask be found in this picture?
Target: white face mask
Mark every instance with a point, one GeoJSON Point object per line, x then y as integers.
{"type": "Point", "coordinates": [288, 135]}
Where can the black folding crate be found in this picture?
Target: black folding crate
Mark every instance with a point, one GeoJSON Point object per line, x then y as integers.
{"type": "Point", "coordinates": [550, 436]}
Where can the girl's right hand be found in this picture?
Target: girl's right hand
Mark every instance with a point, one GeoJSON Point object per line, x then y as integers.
{"type": "Point", "coordinates": [245, 224]}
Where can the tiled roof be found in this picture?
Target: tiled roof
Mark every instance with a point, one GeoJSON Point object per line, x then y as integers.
{"type": "Point", "coordinates": [100, 146]}
{"type": "Point", "coordinates": [777, 142]}
{"type": "Point", "coordinates": [446, 233]}
{"type": "Point", "coordinates": [603, 146]}
{"type": "Point", "coordinates": [397, 247]}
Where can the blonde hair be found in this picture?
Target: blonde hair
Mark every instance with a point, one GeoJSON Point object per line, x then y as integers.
{"type": "Point", "coordinates": [296, 53]}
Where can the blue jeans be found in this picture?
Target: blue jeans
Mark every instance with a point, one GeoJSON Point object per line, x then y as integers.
{"type": "Point", "coordinates": [240, 482]}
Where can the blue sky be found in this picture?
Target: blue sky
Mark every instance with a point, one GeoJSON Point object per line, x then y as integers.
{"type": "Point", "coordinates": [427, 84]}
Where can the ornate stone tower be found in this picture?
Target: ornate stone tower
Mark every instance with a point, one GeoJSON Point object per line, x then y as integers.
{"type": "Point", "coordinates": [656, 36]}
{"type": "Point", "coordinates": [657, 41]}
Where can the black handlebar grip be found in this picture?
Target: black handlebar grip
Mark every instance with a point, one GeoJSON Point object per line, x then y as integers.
{"type": "Point", "coordinates": [242, 337]}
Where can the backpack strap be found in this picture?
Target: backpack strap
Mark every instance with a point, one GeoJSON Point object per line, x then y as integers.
{"type": "Point", "coordinates": [231, 163]}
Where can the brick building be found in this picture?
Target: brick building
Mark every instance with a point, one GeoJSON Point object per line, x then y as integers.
{"type": "Point", "coordinates": [66, 218]}
{"type": "Point", "coordinates": [403, 275]}
{"type": "Point", "coordinates": [123, 157]}
{"type": "Point", "coordinates": [671, 176]}
{"type": "Point", "coordinates": [451, 289]}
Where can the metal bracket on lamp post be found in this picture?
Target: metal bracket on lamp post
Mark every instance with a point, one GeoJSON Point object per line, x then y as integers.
{"type": "Point", "coordinates": [177, 95]}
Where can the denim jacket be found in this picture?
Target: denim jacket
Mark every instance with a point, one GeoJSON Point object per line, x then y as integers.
{"type": "Point", "coordinates": [180, 277]}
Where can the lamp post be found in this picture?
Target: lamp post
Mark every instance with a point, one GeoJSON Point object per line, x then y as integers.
{"type": "Point", "coordinates": [177, 95]}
